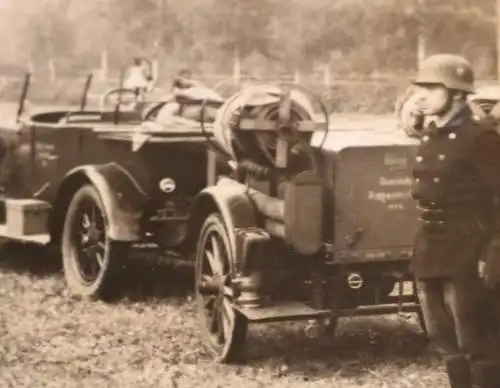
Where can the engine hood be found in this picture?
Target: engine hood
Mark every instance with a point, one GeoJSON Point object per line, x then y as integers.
{"type": "Point", "coordinates": [349, 131]}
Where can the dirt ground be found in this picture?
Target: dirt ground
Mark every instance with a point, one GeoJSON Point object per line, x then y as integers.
{"type": "Point", "coordinates": [149, 338]}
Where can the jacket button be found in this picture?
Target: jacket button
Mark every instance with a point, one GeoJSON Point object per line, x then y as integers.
{"type": "Point", "coordinates": [452, 136]}
{"type": "Point", "coordinates": [419, 158]}
{"type": "Point", "coordinates": [425, 138]}
{"type": "Point", "coordinates": [436, 180]}
{"type": "Point", "coordinates": [441, 157]}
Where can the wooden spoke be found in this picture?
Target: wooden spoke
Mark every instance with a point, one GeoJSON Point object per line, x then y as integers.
{"type": "Point", "coordinates": [224, 333]}
{"type": "Point", "coordinates": [281, 153]}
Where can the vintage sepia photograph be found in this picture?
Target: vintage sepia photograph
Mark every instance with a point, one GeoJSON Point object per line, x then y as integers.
{"type": "Point", "coordinates": [249, 193]}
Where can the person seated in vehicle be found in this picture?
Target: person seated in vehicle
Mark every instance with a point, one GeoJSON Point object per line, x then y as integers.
{"type": "Point", "coordinates": [183, 80]}
{"type": "Point", "coordinates": [138, 78]}
{"type": "Point", "coordinates": [188, 97]}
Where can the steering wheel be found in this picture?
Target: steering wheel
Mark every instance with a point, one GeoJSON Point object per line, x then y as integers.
{"type": "Point", "coordinates": [152, 111]}
{"type": "Point", "coordinates": [121, 97]}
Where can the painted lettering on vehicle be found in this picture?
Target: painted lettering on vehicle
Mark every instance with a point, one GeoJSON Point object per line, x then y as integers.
{"type": "Point", "coordinates": [45, 150]}
{"type": "Point", "coordinates": [395, 161]}
{"type": "Point", "coordinates": [393, 199]}
{"type": "Point", "coordinates": [405, 181]}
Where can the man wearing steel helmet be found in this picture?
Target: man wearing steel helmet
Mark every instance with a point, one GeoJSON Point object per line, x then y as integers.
{"type": "Point", "coordinates": [456, 179]}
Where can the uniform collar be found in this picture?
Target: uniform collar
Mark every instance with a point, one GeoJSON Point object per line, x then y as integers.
{"type": "Point", "coordinates": [450, 121]}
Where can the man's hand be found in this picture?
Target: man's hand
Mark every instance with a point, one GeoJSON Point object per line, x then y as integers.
{"type": "Point", "coordinates": [480, 269]}
{"type": "Point", "coordinates": [488, 267]}
{"type": "Point", "coordinates": [411, 120]}
{"type": "Point", "coordinates": [487, 279]}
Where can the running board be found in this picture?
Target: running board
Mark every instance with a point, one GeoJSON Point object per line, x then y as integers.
{"type": "Point", "coordinates": [40, 239]}
{"type": "Point", "coordinates": [296, 311]}
{"type": "Point", "coordinates": [283, 311]}
{"type": "Point", "coordinates": [26, 220]}
{"type": "Point", "coordinates": [381, 309]}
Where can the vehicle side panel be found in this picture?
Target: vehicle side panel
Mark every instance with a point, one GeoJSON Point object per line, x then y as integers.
{"type": "Point", "coordinates": [374, 213]}
{"type": "Point", "coordinates": [123, 198]}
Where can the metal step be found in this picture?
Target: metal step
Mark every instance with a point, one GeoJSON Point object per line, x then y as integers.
{"type": "Point", "coordinates": [282, 311]}
{"type": "Point", "coordinates": [380, 309]}
{"type": "Point", "coordinates": [41, 239]}
{"type": "Point", "coordinates": [296, 311]}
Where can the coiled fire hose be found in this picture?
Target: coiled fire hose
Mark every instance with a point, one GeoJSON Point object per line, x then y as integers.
{"type": "Point", "coordinates": [263, 103]}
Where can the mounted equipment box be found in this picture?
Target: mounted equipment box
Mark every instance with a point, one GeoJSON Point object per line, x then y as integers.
{"type": "Point", "coordinates": [26, 216]}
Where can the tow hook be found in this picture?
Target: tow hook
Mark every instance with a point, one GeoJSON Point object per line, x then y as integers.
{"type": "Point", "coordinates": [312, 329]}
{"type": "Point", "coordinates": [317, 328]}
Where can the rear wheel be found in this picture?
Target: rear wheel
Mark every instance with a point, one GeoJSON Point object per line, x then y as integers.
{"type": "Point", "coordinates": [90, 258]}
{"type": "Point", "coordinates": [224, 330]}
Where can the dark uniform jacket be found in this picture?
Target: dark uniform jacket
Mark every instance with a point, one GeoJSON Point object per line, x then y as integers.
{"type": "Point", "coordinates": [456, 179]}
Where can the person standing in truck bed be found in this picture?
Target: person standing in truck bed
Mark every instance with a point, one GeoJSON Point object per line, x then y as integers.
{"type": "Point", "coordinates": [138, 78]}
{"type": "Point", "coordinates": [456, 180]}
{"type": "Point", "coordinates": [189, 97]}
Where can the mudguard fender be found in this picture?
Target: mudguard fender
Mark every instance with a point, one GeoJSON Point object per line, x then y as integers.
{"type": "Point", "coordinates": [229, 198]}
{"type": "Point", "coordinates": [123, 198]}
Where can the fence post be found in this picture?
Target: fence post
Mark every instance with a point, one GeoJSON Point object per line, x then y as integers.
{"type": "Point", "coordinates": [31, 67]}
{"type": "Point", "coordinates": [327, 77]}
{"type": "Point", "coordinates": [52, 69]}
{"type": "Point", "coordinates": [104, 65]}
{"type": "Point", "coordinates": [421, 37]}
{"type": "Point", "coordinates": [155, 68]}
{"type": "Point", "coordinates": [296, 77]}
{"type": "Point", "coordinates": [236, 67]}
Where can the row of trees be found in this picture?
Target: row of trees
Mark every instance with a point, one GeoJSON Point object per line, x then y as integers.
{"type": "Point", "coordinates": [356, 36]}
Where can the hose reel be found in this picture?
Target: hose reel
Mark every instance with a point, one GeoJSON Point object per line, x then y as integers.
{"type": "Point", "coordinates": [270, 125]}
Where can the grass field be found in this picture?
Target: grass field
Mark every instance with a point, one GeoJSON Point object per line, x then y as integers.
{"type": "Point", "coordinates": [149, 338]}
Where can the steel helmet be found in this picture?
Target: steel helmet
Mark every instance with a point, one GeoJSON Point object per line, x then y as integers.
{"type": "Point", "coordinates": [452, 71]}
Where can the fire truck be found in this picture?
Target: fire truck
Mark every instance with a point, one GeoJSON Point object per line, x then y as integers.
{"type": "Point", "coordinates": [285, 212]}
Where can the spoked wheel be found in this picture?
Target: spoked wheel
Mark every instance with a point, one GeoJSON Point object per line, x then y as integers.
{"type": "Point", "coordinates": [124, 97]}
{"type": "Point", "coordinates": [224, 330]}
{"type": "Point", "coordinates": [89, 257]}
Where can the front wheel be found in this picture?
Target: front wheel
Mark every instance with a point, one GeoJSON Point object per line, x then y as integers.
{"type": "Point", "coordinates": [224, 330]}
{"type": "Point", "coordinates": [90, 258]}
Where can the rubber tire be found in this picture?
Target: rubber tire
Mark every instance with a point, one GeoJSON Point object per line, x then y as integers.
{"type": "Point", "coordinates": [233, 350]}
{"type": "Point", "coordinates": [103, 286]}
